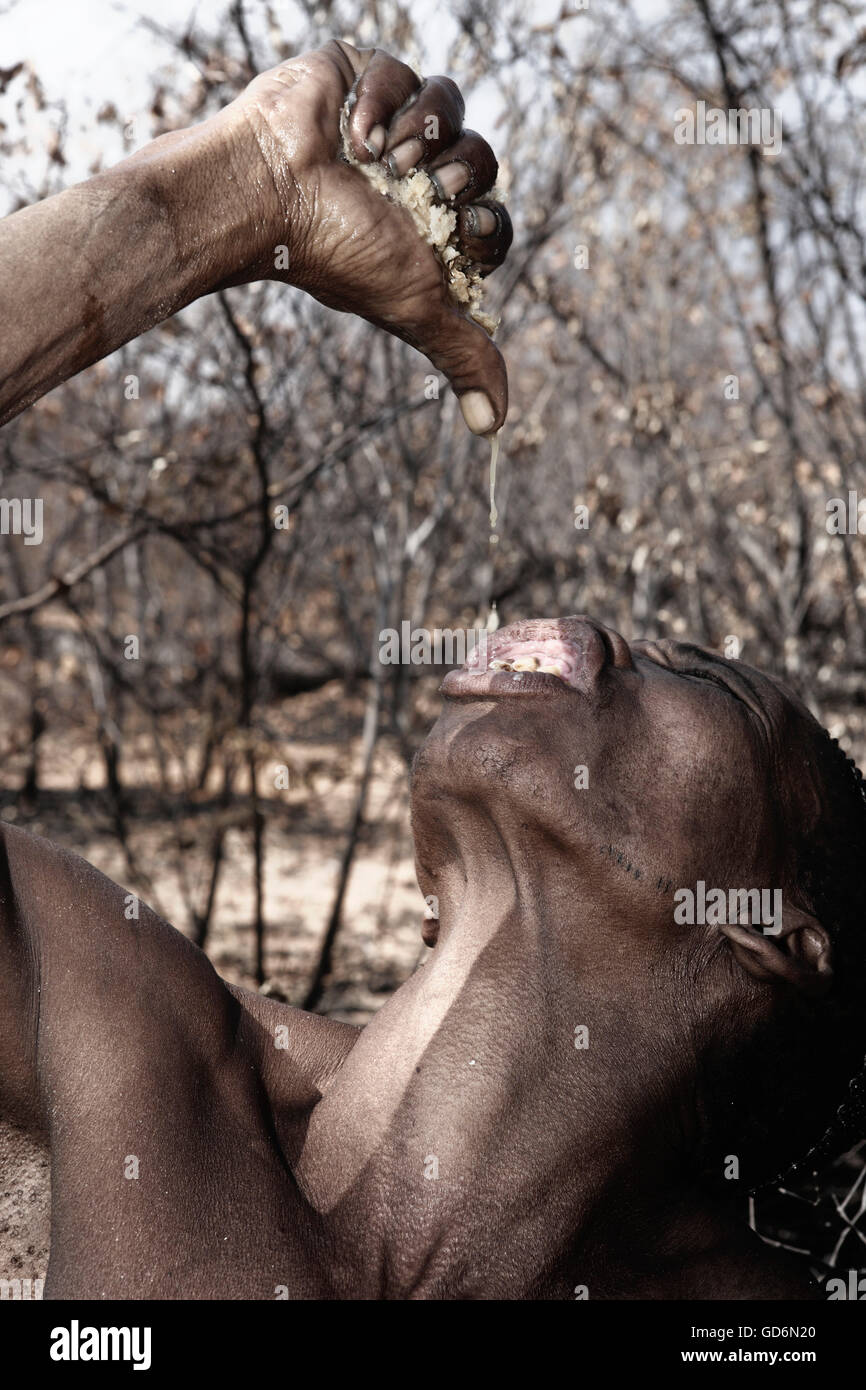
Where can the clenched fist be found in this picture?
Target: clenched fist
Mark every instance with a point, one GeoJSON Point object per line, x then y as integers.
{"type": "Point", "coordinates": [350, 247]}
{"type": "Point", "coordinates": [210, 206]}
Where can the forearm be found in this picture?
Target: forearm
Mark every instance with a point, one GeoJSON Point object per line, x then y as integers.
{"type": "Point", "coordinates": [93, 267]}
{"type": "Point", "coordinates": [86, 271]}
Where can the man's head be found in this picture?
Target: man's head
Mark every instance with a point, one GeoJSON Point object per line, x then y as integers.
{"type": "Point", "coordinates": [601, 793]}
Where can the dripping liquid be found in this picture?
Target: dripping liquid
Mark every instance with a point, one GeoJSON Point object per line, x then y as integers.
{"type": "Point", "coordinates": [494, 515]}
{"type": "Point", "coordinates": [492, 615]}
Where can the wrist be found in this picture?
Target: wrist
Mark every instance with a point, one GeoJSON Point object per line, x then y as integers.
{"type": "Point", "coordinates": [254, 189]}
{"type": "Point", "coordinates": [210, 190]}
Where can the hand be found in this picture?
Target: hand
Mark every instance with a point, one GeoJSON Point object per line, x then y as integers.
{"type": "Point", "coordinates": [349, 246]}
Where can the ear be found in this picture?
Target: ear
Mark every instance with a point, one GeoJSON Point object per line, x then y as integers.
{"type": "Point", "coordinates": [797, 953]}
{"type": "Point", "coordinates": [430, 929]}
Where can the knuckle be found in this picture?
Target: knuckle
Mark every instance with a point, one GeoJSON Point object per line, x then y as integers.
{"type": "Point", "coordinates": [448, 91]}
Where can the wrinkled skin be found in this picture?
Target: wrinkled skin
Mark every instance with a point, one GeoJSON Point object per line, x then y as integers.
{"type": "Point", "coordinates": [344, 238]}
{"type": "Point", "coordinates": [208, 207]}
{"type": "Point", "coordinates": [460, 1146]}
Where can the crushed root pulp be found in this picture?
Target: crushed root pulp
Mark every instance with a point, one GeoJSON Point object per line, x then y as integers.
{"type": "Point", "coordinates": [435, 223]}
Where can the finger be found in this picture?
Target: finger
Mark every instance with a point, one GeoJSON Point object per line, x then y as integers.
{"type": "Point", "coordinates": [466, 171]}
{"type": "Point", "coordinates": [381, 90]}
{"type": "Point", "coordinates": [469, 358]}
{"type": "Point", "coordinates": [485, 233]}
{"type": "Point", "coordinates": [430, 122]}
{"type": "Point", "coordinates": [350, 61]}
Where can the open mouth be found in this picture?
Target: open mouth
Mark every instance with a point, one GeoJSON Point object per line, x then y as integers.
{"type": "Point", "coordinates": [553, 657]}
{"type": "Point", "coordinates": [538, 659]}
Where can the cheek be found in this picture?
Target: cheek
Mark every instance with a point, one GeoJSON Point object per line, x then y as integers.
{"type": "Point", "coordinates": [710, 794]}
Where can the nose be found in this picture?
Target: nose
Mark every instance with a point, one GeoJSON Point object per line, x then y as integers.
{"type": "Point", "coordinates": [617, 649]}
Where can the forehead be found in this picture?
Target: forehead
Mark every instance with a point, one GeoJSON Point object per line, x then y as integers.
{"type": "Point", "coordinates": [790, 725]}
{"type": "Point", "coordinates": [799, 744]}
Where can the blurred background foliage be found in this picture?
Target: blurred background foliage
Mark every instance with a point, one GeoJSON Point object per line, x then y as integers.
{"type": "Point", "coordinates": [707, 496]}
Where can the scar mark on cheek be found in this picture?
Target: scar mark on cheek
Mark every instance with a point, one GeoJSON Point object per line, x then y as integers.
{"type": "Point", "coordinates": [622, 861]}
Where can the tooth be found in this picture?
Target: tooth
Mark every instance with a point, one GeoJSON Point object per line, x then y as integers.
{"type": "Point", "coordinates": [497, 666]}
{"type": "Point", "coordinates": [526, 663]}
{"type": "Point", "coordinates": [551, 669]}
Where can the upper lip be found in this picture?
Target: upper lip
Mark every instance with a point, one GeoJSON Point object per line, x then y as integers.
{"type": "Point", "coordinates": [580, 647]}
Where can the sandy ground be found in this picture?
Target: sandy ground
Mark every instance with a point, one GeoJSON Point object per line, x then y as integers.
{"type": "Point", "coordinates": [24, 1209]}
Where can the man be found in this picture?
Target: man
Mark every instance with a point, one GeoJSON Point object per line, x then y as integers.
{"type": "Point", "coordinates": [570, 1098]}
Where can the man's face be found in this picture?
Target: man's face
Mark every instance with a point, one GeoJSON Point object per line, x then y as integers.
{"type": "Point", "coordinates": [638, 768]}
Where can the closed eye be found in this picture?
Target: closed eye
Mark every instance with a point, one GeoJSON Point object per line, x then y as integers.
{"type": "Point", "coordinates": [653, 653]}
{"type": "Point", "coordinates": [659, 657]}
{"type": "Point", "coordinates": [716, 680]}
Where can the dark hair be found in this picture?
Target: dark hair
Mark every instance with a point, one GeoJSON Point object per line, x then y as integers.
{"type": "Point", "coordinates": [831, 873]}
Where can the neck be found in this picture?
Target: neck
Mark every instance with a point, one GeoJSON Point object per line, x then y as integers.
{"type": "Point", "coordinates": [466, 1115]}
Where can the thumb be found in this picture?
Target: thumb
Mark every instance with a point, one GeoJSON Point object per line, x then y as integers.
{"type": "Point", "coordinates": [472, 363]}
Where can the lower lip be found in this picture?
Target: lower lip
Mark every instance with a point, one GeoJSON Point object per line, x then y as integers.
{"type": "Point", "coordinates": [463, 684]}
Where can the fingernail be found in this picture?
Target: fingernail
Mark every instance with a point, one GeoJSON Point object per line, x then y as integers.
{"type": "Point", "coordinates": [450, 178]}
{"type": "Point", "coordinates": [477, 412]}
{"type": "Point", "coordinates": [375, 141]}
{"type": "Point", "coordinates": [481, 221]}
{"type": "Point", "coordinates": [404, 157]}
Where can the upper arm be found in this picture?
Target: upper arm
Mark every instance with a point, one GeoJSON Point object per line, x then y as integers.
{"type": "Point", "coordinates": [19, 994]}
{"type": "Point", "coordinates": [95, 988]}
